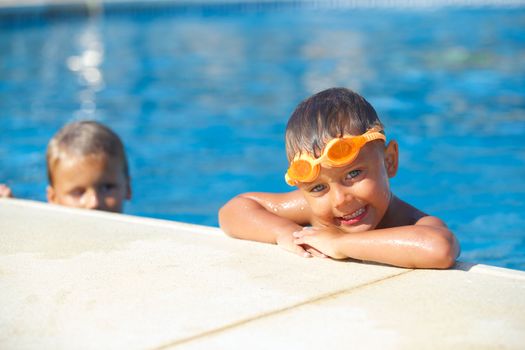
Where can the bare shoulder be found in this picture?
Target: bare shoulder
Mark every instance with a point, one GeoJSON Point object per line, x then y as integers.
{"type": "Point", "coordinates": [431, 221]}
{"type": "Point", "coordinates": [407, 214]}
{"type": "Point", "coordinates": [400, 213]}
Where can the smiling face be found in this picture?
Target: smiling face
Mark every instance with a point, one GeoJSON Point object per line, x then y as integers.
{"type": "Point", "coordinates": [354, 197]}
{"type": "Point", "coordinates": [95, 181]}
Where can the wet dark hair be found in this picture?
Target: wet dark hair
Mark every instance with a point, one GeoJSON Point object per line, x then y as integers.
{"type": "Point", "coordinates": [83, 138]}
{"type": "Point", "coordinates": [326, 115]}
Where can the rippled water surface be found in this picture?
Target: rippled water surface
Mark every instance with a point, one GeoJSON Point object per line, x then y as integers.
{"type": "Point", "coordinates": [201, 97]}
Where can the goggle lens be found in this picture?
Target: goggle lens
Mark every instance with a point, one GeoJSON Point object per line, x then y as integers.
{"type": "Point", "coordinates": [341, 152]}
{"type": "Point", "coordinates": [300, 169]}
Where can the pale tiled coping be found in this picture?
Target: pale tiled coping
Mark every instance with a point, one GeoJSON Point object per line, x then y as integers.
{"type": "Point", "coordinates": [76, 279]}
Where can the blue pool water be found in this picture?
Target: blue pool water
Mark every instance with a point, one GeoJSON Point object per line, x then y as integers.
{"type": "Point", "coordinates": [201, 97]}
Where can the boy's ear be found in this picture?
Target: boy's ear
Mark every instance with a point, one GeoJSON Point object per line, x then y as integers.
{"type": "Point", "coordinates": [391, 158]}
{"type": "Point", "coordinates": [50, 192]}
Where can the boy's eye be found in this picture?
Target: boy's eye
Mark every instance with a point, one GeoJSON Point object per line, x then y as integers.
{"type": "Point", "coordinates": [107, 187]}
{"type": "Point", "coordinates": [77, 192]}
{"type": "Point", "coordinates": [317, 188]}
{"type": "Point", "coordinates": [353, 174]}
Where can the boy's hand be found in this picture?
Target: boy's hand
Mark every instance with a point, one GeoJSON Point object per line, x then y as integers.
{"type": "Point", "coordinates": [5, 191]}
{"type": "Point", "coordinates": [324, 239]}
{"type": "Point", "coordinates": [286, 241]}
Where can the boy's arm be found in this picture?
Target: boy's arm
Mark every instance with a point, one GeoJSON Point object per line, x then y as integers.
{"type": "Point", "coordinates": [262, 217]}
{"type": "Point", "coordinates": [266, 217]}
{"type": "Point", "coordinates": [426, 244]}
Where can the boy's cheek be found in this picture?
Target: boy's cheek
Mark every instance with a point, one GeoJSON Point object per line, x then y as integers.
{"type": "Point", "coordinates": [321, 210]}
{"type": "Point", "coordinates": [66, 200]}
{"type": "Point", "coordinates": [115, 203]}
{"type": "Point", "coordinates": [322, 221]}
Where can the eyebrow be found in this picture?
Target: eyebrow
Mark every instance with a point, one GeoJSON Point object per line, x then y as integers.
{"type": "Point", "coordinates": [361, 158]}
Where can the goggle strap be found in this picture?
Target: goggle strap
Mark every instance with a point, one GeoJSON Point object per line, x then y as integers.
{"type": "Point", "coordinates": [374, 136]}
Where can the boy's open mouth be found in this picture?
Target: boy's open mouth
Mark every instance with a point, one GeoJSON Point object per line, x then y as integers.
{"type": "Point", "coordinates": [354, 217]}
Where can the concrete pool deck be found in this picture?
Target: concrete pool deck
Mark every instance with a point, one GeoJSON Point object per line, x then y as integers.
{"type": "Point", "coordinates": [77, 279]}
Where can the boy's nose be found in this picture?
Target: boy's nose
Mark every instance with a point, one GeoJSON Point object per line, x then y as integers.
{"type": "Point", "coordinates": [93, 200]}
{"type": "Point", "coordinates": [340, 195]}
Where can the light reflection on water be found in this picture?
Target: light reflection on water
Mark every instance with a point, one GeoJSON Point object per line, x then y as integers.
{"type": "Point", "coordinates": [201, 101]}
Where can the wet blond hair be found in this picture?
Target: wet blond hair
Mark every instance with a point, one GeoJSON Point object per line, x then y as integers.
{"type": "Point", "coordinates": [327, 115]}
{"type": "Point", "coordinates": [83, 138]}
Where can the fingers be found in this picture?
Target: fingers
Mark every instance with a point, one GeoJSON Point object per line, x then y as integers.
{"type": "Point", "coordinates": [294, 248]}
{"type": "Point", "coordinates": [307, 252]}
{"type": "Point", "coordinates": [303, 242]}
{"type": "Point", "coordinates": [297, 249]}
{"type": "Point", "coordinates": [302, 237]}
{"type": "Point", "coordinates": [296, 243]}
{"type": "Point", "coordinates": [315, 253]}
{"type": "Point", "coordinates": [307, 231]}
{"type": "Point", "coordinates": [5, 191]}
{"type": "Point", "coordinates": [299, 241]}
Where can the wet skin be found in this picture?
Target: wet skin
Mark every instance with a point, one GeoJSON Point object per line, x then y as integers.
{"type": "Point", "coordinates": [90, 182]}
{"type": "Point", "coordinates": [355, 197]}
{"type": "Point", "coordinates": [347, 212]}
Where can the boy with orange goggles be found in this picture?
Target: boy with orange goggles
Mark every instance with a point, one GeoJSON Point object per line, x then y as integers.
{"type": "Point", "coordinates": [343, 207]}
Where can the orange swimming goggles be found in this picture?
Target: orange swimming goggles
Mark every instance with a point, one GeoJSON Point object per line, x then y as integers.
{"type": "Point", "coordinates": [338, 152]}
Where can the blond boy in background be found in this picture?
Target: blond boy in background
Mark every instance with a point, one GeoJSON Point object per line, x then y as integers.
{"type": "Point", "coordinates": [86, 167]}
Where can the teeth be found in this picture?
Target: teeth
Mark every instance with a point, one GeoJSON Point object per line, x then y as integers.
{"type": "Point", "coordinates": [354, 214]}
